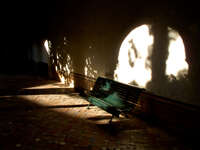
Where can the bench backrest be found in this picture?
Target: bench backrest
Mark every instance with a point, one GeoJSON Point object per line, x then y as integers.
{"type": "Point", "coordinates": [114, 92]}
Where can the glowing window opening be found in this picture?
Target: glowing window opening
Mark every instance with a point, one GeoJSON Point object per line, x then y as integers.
{"type": "Point", "coordinates": [133, 57]}
{"type": "Point", "coordinates": [176, 58]}
{"type": "Point", "coordinates": [47, 45]}
{"type": "Point", "coordinates": [134, 67]}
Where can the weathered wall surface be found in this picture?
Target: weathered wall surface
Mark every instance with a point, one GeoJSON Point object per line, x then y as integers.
{"type": "Point", "coordinates": [91, 34]}
{"type": "Point", "coordinates": [86, 35]}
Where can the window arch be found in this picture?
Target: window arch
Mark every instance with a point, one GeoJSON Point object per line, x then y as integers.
{"type": "Point", "coordinates": [135, 56]}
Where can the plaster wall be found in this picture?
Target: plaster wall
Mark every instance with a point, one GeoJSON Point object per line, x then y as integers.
{"type": "Point", "coordinates": [91, 34]}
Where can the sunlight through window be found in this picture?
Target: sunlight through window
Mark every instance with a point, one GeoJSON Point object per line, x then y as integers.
{"type": "Point", "coordinates": [88, 69]}
{"type": "Point", "coordinates": [64, 68]}
{"type": "Point", "coordinates": [176, 58]}
{"type": "Point", "coordinates": [133, 64]}
{"type": "Point", "coordinates": [47, 45]}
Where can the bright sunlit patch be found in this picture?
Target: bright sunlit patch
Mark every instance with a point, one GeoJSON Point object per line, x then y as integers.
{"type": "Point", "coordinates": [67, 81]}
{"type": "Point", "coordinates": [133, 57]}
{"type": "Point", "coordinates": [176, 59]}
{"type": "Point", "coordinates": [64, 68]}
{"type": "Point", "coordinates": [47, 45]}
{"type": "Point", "coordinates": [88, 69]}
{"type": "Point", "coordinates": [71, 84]}
{"type": "Point", "coordinates": [62, 79]}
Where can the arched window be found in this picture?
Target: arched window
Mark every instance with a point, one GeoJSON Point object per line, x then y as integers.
{"type": "Point", "coordinates": [135, 61]}
{"type": "Point", "coordinates": [133, 64]}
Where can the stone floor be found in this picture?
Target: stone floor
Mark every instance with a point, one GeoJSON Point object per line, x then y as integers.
{"type": "Point", "coordinates": [38, 114]}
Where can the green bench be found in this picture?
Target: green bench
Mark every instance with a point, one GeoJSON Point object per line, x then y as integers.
{"type": "Point", "coordinates": [114, 97]}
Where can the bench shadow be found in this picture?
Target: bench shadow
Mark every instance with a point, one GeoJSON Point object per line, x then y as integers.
{"type": "Point", "coordinates": [118, 125]}
{"type": "Point", "coordinates": [96, 118]}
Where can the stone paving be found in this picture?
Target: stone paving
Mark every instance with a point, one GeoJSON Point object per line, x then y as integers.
{"type": "Point", "coordinates": [38, 114]}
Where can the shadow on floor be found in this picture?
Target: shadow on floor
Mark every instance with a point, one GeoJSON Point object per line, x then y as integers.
{"type": "Point", "coordinates": [22, 81]}
{"type": "Point", "coordinates": [42, 129]}
{"type": "Point", "coordinates": [43, 91]}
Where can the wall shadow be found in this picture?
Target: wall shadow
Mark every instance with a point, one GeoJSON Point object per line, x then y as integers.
{"type": "Point", "coordinates": [175, 87]}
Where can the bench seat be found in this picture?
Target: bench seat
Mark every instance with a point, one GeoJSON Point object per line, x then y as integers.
{"type": "Point", "coordinates": [114, 97]}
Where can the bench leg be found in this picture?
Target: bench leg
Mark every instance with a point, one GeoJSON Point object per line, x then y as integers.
{"type": "Point", "coordinates": [88, 107]}
{"type": "Point", "coordinates": [110, 121]}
